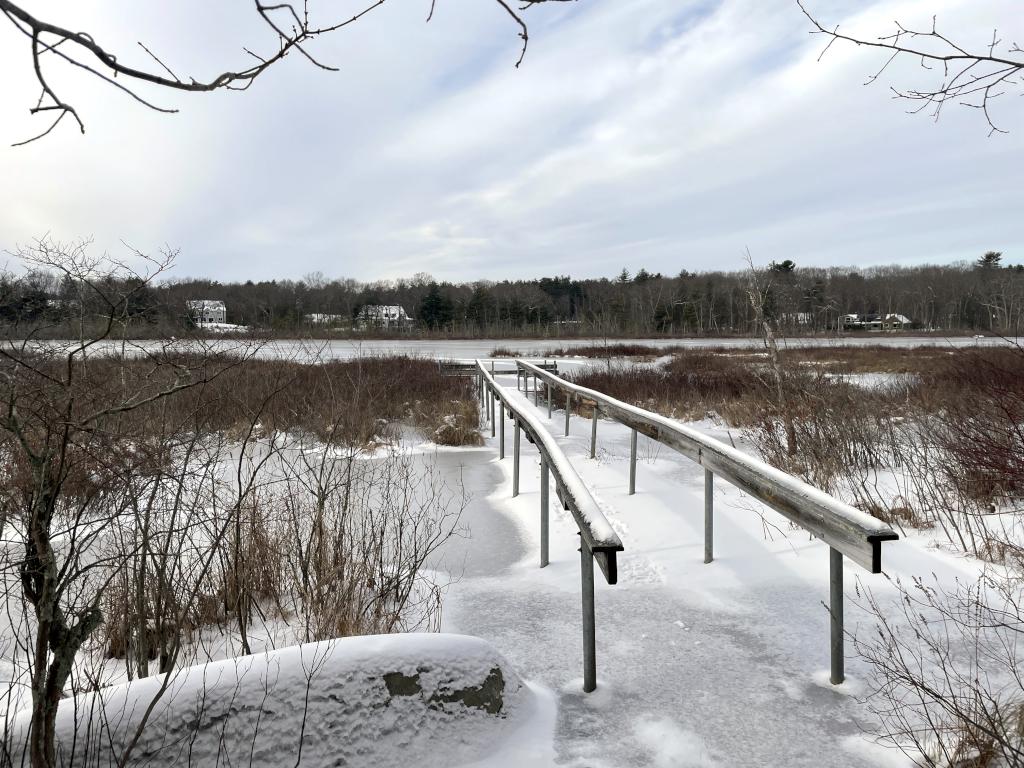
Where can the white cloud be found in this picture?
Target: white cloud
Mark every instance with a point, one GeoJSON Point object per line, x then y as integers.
{"type": "Point", "coordinates": [652, 133]}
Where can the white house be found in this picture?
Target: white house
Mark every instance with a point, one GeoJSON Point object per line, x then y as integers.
{"type": "Point", "coordinates": [203, 311]}
{"type": "Point", "coordinates": [876, 322]}
{"type": "Point", "coordinates": [897, 321]}
{"type": "Point", "coordinates": [382, 316]}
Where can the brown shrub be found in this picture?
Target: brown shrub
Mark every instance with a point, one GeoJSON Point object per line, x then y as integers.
{"type": "Point", "coordinates": [505, 352]}
{"type": "Point", "coordinates": [354, 402]}
{"type": "Point", "coordinates": [610, 350]}
{"type": "Point", "coordinates": [694, 384]}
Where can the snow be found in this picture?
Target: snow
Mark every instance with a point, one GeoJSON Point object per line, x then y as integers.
{"type": "Point", "coordinates": [223, 327]}
{"type": "Point", "coordinates": [721, 664]}
{"type": "Point", "coordinates": [698, 665]}
{"type": "Point", "coordinates": [671, 745]}
{"type": "Point", "coordinates": [385, 700]}
{"type": "Point", "coordinates": [876, 380]}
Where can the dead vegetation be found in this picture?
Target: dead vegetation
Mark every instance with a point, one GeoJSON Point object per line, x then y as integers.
{"type": "Point", "coordinates": [612, 349]}
{"type": "Point", "coordinates": [938, 443]}
{"type": "Point", "coordinates": [691, 386]}
{"type": "Point", "coordinates": [505, 352]}
{"type": "Point", "coordinates": [168, 505]}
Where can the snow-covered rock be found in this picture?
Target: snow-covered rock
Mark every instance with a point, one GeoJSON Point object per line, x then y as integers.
{"type": "Point", "coordinates": [383, 700]}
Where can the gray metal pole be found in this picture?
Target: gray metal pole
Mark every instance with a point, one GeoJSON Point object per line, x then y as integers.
{"type": "Point", "coordinates": [835, 559]}
{"type": "Point", "coordinates": [593, 433]}
{"type": "Point", "coordinates": [535, 390]}
{"type": "Point", "coordinates": [568, 408]}
{"type": "Point", "coordinates": [547, 394]}
{"type": "Point", "coordinates": [515, 461]}
{"type": "Point", "coordinates": [501, 430]}
{"type": "Point", "coordinates": [632, 463]}
{"type": "Point", "coordinates": [589, 639]}
{"type": "Point", "coordinates": [709, 515]}
{"type": "Point", "coordinates": [543, 512]}
{"type": "Point", "coordinates": [493, 398]}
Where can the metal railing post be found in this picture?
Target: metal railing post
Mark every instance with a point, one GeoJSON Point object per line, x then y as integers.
{"type": "Point", "coordinates": [501, 430]}
{"type": "Point", "coordinates": [589, 638]}
{"type": "Point", "coordinates": [493, 398]}
{"type": "Point", "coordinates": [535, 390]}
{"type": "Point", "coordinates": [709, 515]}
{"type": "Point", "coordinates": [835, 560]}
{"type": "Point", "coordinates": [543, 512]}
{"type": "Point", "coordinates": [632, 462]}
{"type": "Point", "coordinates": [515, 461]}
{"type": "Point", "coordinates": [568, 408]}
{"type": "Point", "coordinates": [547, 395]}
{"type": "Point", "coordinates": [593, 433]}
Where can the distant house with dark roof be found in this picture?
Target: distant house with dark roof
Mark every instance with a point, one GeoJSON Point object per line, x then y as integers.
{"type": "Point", "coordinates": [875, 322]}
{"type": "Point", "coordinates": [203, 311]}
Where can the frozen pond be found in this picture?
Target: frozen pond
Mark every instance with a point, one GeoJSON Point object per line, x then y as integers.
{"type": "Point", "coordinates": [469, 349]}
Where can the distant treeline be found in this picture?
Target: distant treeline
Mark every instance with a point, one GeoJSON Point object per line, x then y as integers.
{"type": "Point", "coordinates": [980, 296]}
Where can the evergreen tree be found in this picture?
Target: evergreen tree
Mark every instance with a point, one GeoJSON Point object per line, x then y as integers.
{"type": "Point", "coordinates": [436, 310]}
{"type": "Point", "coordinates": [990, 260]}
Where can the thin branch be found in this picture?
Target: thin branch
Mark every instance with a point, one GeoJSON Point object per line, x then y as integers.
{"type": "Point", "coordinates": [972, 79]}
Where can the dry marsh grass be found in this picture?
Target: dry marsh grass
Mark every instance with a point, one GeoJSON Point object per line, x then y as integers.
{"type": "Point", "coordinates": [353, 402]}
{"type": "Point", "coordinates": [610, 350]}
{"type": "Point", "coordinates": [505, 352]}
{"type": "Point", "coordinates": [943, 446]}
{"type": "Point", "coordinates": [693, 385]}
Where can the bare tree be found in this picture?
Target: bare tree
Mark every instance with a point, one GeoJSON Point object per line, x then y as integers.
{"type": "Point", "coordinates": [759, 291]}
{"type": "Point", "coordinates": [69, 456]}
{"type": "Point", "coordinates": [972, 77]}
{"type": "Point", "coordinates": [292, 27]}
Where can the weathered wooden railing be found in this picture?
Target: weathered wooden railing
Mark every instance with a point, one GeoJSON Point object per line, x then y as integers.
{"type": "Point", "coordinates": [846, 530]}
{"type": "Point", "coordinates": [598, 541]}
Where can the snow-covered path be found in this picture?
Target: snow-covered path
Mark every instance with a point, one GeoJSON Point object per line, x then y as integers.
{"type": "Point", "coordinates": [722, 664]}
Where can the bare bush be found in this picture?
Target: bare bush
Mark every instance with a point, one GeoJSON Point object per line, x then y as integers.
{"type": "Point", "coordinates": [946, 672]}
{"type": "Point", "coordinates": [151, 500]}
{"type": "Point", "coordinates": [693, 385]}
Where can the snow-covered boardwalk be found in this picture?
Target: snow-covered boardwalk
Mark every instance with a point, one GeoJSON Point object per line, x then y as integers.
{"type": "Point", "coordinates": [722, 664]}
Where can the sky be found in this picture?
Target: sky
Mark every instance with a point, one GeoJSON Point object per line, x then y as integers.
{"type": "Point", "coordinates": [662, 134]}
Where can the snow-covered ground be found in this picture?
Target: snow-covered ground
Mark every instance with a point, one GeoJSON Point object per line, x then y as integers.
{"type": "Point", "coordinates": [723, 664]}
{"type": "Point", "coordinates": [383, 701]}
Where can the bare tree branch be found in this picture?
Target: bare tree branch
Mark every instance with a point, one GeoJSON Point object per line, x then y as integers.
{"type": "Point", "coordinates": [970, 78]}
{"type": "Point", "coordinates": [293, 32]}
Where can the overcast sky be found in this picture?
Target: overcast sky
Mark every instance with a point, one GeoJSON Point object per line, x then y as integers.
{"type": "Point", "coordinates": [662, 134]}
